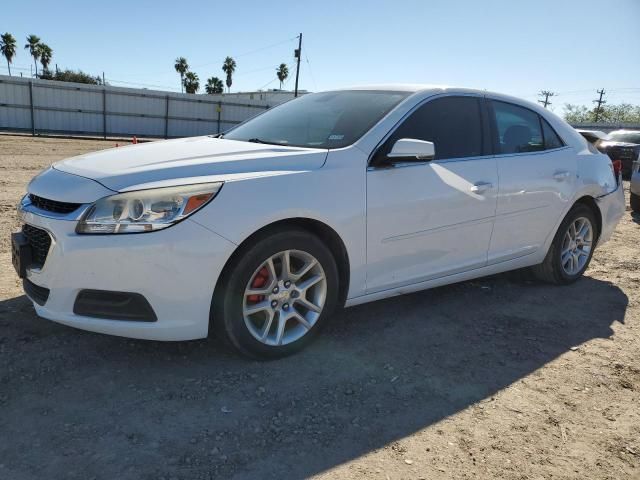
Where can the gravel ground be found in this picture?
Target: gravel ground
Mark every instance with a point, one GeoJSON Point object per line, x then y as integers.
{"type": "Point", "coordinates": [496, 378]}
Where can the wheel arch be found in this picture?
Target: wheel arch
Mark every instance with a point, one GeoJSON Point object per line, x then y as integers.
{"type": "Point", "coordinates": [324, 232]}
{"type": "Point", "coordinates": [590, 202]}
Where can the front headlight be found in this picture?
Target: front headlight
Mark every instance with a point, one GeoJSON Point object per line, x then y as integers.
{"type": "Point", "coordinates": [146, 210]}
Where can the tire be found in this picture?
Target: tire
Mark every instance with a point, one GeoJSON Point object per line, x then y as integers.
{"type": "Point", "coordinates": [635, 202]}
{"type": "Point", "coordinates": [250, 269]}
{"type": "Point", "coordinates": [552, 270]}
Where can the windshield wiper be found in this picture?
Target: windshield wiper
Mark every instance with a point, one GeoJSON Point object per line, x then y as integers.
{"type": "Point", "coordinates": [259, 140]}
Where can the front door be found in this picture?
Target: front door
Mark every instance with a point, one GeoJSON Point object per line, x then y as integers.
{"type": "Point", "coordinates": [428, 219]}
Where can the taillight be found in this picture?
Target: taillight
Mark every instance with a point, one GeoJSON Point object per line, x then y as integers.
{"type": "Point", "coordinates": [617, 167]}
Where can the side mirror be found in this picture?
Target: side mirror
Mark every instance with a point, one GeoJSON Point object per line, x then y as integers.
{"type": "Point", "coordinates": [413, 149]}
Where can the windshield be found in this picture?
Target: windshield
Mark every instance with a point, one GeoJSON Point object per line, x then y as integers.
{"type": "Point", "coordinates": [629, 137]}
{"type": "Point", "coordinates": [319, 120]}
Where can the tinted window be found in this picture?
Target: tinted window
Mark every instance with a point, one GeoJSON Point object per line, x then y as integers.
{"type": "Point", "coordinates": [518, 129]}
{"type": "Point", "coordinates": [551, 138]}
{"type": "Point", "coordinates": [452, 123]}
{"type": "Point", "coordinates": [319, 120]}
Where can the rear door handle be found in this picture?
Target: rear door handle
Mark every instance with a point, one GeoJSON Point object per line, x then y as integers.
{"type": "Point", "coordinates": [561, 175]}
{"type": "Point", "coordinates": [481, 187]}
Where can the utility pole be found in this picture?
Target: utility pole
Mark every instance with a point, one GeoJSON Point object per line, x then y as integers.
{"type": "Point", "coordinates": [600, 102]}
{"type": "Point", "coordinates": [546, 94]}
{"type": "Point", "coordinates": [298, 55]}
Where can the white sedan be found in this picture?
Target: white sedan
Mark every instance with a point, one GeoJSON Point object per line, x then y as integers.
{"type": "Point", "coordinates": [336, 198]}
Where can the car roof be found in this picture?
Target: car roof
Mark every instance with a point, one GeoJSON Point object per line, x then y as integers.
{"type": "Point", "coordinates": [420, 91]}
{"type": "Point", "coordinates": [425, 88]}
{"type": "Point", "coordinates": [398, 87]}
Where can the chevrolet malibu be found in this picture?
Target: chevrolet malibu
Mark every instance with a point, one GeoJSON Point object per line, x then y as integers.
{"type": "Point", "coordinates": [333, 199]}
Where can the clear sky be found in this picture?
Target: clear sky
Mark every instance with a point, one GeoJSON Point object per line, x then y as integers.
{"type": "Point", "coordinates": [572, 47]}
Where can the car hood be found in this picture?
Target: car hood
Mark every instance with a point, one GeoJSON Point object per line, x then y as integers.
{"type": "Point", "coordinates": [188, 160]}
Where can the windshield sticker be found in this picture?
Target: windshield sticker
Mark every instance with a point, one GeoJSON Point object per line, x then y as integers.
{"type": "Point", "coordinates": [336, 137]}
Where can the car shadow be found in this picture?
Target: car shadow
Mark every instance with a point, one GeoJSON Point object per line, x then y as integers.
{"type": "Point", "coordinates": [80, 405]}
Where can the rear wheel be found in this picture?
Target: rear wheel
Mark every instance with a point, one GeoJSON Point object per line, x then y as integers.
{"type": "Point", "coordinates": [572, 248]}
{"type": "Point", "coordinates": [635, 203]}
{"type": "Point", "coordinates": [277, 294]}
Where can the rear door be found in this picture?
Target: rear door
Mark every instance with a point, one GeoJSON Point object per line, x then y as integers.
{"type": "Point", "coordinates": [537, 180]}
{"type": "Point", "coordinates": [427, 219]}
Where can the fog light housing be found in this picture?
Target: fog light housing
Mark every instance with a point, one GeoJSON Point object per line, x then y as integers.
{"type": "Point", "coordinates": [114, 306]}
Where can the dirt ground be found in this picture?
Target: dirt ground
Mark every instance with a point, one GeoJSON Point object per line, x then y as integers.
{"type": "Point", "coordinates": [500, 378]}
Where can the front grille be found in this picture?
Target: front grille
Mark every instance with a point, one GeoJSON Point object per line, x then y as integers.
{"type": "Point", "coordinates": [52, 205]}
{"type": "Point", "coordinates": [38, 294]}
{"type": "Point", "coordinates": [40, 242]}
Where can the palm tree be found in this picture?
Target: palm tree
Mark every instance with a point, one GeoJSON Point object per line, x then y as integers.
{"type": "Point", "coordinates": [46, 53]}
{"type": "Point", "coordinates": [283, 73]}
{"type": "Point", "coordinates": [214, 85]}
{"type": "Point", "coordinates": [181, 67]}
{"type": "Point", "coordinates": [228, 67]}
{"type": "Point", "coordinates": [191, 82]}
{"type": "Point", "coordinates": [33, 45]}
{"type": "Point", "coordinates": [8, 48]}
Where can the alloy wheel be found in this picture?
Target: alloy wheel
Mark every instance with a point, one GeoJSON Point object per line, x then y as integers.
{"type": "Point", "coordinates": [576, 246]}
{"type": "Point", "coordinates": [284, 297]}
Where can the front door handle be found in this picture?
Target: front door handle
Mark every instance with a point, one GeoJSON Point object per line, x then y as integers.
{"type": "Point", "coordinates": [561, 175]}
{"type": "Point", "coordinates": [481, 187]}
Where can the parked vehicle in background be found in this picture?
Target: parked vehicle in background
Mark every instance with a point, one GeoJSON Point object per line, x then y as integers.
{"type": "Point", "coordinates": [635, 187]}
{"type": "Point", "coordinates": [335, 198]}
{"type": "Point", "coordinates": [626, 136]}
{"type": "Point", "coordinates": [623, 145]}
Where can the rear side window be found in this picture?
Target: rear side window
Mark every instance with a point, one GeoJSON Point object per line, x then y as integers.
{"type": "Point", "coordinates": [551, 138]}
{"type": "Point", "coordinates": [453, 124]}
{"type": "Point", "coordinates": [518, 129]}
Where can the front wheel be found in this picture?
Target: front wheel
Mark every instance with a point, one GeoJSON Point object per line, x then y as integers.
{"type": "Point", "coordinates": [571, 249]}
{"type": "Point", "coordinates": [276, 294]}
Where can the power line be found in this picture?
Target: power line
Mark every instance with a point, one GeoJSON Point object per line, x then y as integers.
{"type": "Point", "coordinates": [251, 52]}
{"type": "Point", "coordinates": [270, 67]}
{"type": "Point", "coordinates": [111, 80]}
{"type": "Point", "coordinates": [315, 85]}
{"type": "Point", "coordinates": [268, 83]}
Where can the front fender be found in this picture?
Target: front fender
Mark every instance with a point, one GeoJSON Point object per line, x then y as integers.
{"type": "Point", "coordinates": [333, 195]}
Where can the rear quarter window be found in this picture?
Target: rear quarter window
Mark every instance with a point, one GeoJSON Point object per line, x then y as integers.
{"type": "Point", "coordinates": [551, 138]}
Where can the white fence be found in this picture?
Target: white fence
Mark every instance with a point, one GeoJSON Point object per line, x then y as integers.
{"type": "Point", "coordinates": [49, 107]}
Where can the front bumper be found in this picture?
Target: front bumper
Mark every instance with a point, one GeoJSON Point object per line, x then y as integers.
{"type": "Point", "coordinates": [612, 207]}
{"type": "Point", "coordinates": [175, 269]}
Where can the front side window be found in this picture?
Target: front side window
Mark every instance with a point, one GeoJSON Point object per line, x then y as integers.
{"type": "Point", "coordinates": [518, 129]}
{"type": "Point", "coordinates": [319, 120]}
{"type": "Point", "coordinates": [453, 124]}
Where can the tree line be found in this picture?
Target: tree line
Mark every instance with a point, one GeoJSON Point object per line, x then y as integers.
{"type": "Point", "coordinates": [42, 53]}
{"type": "Point", "coordinates": [609, 113]}
{"type": "Point", "coordinates": [190, 82]}
{"type": "Point", "coordinates": [39, 50]}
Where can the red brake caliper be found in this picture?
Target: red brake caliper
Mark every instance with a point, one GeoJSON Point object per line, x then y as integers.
{"type": "Point", "coordinates": [260, 280]}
